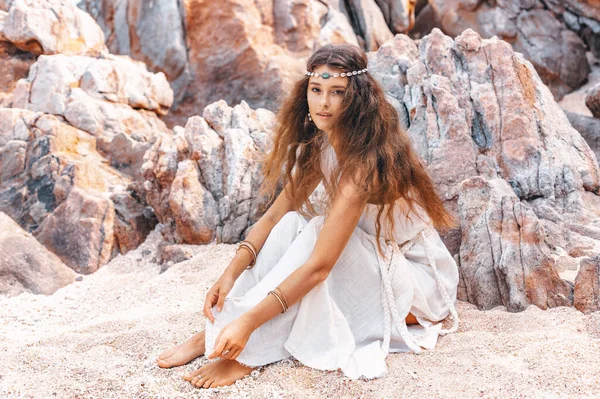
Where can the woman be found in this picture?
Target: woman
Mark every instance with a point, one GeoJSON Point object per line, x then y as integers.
{"type": "Point", "coordinates": [341, 290]}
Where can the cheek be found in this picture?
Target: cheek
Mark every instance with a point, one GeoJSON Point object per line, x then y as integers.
{"type": "Point", "coordinates": [336, 103]}
{"type": "Point", "coordinates": [312, 100]}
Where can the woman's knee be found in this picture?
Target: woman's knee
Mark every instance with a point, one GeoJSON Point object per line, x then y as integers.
{"type": "Point", "coordinates": [291, 221]}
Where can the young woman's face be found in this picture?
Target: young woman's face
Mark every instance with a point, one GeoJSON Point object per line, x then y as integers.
{"type": "Point", "coordinates": [325, 97]}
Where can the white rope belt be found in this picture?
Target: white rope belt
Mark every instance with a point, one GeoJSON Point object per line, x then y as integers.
{"type": "Point", "coordinates": [390, 311]}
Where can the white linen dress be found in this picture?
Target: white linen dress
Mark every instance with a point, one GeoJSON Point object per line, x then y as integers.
{"type": "Point", "coordinates": [357, 315]}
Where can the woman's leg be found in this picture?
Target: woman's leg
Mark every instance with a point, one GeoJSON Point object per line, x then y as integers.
{"type": "Point", "coordinates": [184, 353]}
{"type": "Point", "coordinates": [277, 243]}
{"type": "Point", "coordinates": [266, 344]}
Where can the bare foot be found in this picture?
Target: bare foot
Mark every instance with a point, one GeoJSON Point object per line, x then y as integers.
{"type": "Point", "coordinates": [184, 353]}
{"type": "Point", "coordinates": [217, 374]}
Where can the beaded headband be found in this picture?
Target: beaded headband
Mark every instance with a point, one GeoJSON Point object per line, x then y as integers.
{"type": "Point", "coordinates": [327, 75]}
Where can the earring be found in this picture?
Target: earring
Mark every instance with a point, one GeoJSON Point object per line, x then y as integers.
{"type": "Point", "coordinates": [309, 118]}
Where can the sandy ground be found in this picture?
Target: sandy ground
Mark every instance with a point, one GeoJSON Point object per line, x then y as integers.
{"type": "Point", "coordinates": [98, 338]}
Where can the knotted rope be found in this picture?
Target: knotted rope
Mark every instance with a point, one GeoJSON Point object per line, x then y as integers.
{"type": "Point", "coordinates": [390, 310]}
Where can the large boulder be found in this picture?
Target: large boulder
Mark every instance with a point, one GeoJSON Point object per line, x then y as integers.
{"type": "Point", "coordinates": [77, 142]}
{"type": "Point", "coordinates": [25, 265]}
{"type": "Point", "coordinates": [50, 168]}
{"type": "Point", "coordinates": [80, 230]}
{"type": "Point", "coordinates": [113, 98]}
{"type": "Point", "coordinates": [504, 257]}
{"type": "Point", "coordinates": [14, 65]}
{"type": "Point", "coordinates": [484, 123]}
{"type": "Point", "coordinates": [587, 285]}
{"type": "Point", "coordinates": [232, 50]}
{"type": "Point", "coordinates": [51, 27]}
{"type": "Point", "coordinates": [34, 27]}
{"type": "Point", "coordinates": [399, 15]}
{"type": "Point", "coordinates": [370, 21]}
{"type": "Point", "coordinates": [203, 182]}
{"type": "Point", "coordinates": [556, 52]}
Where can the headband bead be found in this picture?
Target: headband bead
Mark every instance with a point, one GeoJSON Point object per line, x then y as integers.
{"type": "Point", "coordinates": [327, 75]}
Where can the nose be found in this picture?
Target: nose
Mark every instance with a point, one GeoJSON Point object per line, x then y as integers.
{"type": "Point", "coordinates": [325, 100]}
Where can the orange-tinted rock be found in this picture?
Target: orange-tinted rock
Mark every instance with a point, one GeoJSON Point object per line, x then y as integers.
{"type": "Point", "coordinates": [52, 27]}
{"type": "Point", "coordinates": [203, 182]}
{"type": "Point", "coordinates": [14, 65]}
{"type": "Point", "coordinates": [587, 285]}
{"type": "Point", "coordinates": [232, 50]}
{"type": "Point", "coordinates": [504, 259]}
{"type": "Point", "coordinates": [477, 111]}
{"type": "Point", "coordinates": [133, 221]}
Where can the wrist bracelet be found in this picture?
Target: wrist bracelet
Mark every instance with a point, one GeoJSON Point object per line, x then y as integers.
{"type": "Point", "coordinates": [247, 245]}
{"type": "Point", "coordinates": [282, 296]}
{"type": "Point", "coordinates": [279, 299]}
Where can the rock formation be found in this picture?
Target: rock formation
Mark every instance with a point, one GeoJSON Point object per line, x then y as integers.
{"type": "Point", "coordinates": [31, 28]}
{"type": "Point", "coordinates": [72, 146]}
{"type": "Point", "coordinates": [231, 50]}
{"type": "Point", "coordinates": [25, 265]}
{"type": "Point", "coordinates": [587, 285]}
{"type": "Point", "coordinates": [556, 52]}
{"type": "Point", "coordinates": [203, 182]}
{"type": "Point", "coordinates": [50, 27]}
{"type": "Point", "coordinates": [581, 16]}
{"type": "Point", "coordinates": [483, 121]}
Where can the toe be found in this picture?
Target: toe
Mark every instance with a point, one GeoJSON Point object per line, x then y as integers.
{"type": "Point", "coordinates": [162, 363]}
{"type": "Point", "coordinates": [192, 375]}
{"type": "Point", "coordinates": [208, 382]}
{"type": "Point", "coordinates": [200, 382]}
{"type": "Point", "coordinates": [168, 353]}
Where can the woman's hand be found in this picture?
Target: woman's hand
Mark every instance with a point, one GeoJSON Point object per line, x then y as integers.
{"type": "Point", "coordinates": [216, 295]}
{"type": "Point", "coordinates": [232, 339]}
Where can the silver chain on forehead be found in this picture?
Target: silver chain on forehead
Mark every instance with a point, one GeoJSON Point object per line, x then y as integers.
{"type": "Point", "coordinates": [327, 75]}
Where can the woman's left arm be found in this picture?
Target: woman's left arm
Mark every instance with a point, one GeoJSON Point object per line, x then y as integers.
{"type": "Point", "coordinates": [345, 212]}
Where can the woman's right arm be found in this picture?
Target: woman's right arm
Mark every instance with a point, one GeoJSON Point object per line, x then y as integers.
{"type": "Point", "coordinates": [257, 236]}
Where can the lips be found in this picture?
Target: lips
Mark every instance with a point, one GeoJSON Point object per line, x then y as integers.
{"type": "Point", "coordinates": [324, 115]}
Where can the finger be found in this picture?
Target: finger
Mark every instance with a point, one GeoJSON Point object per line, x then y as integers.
{"type": "Point", "coordinates": [220, 347]}
{"type": "Point", "coordinates": [227, 354]}
{"type": "Point", "coordinates": [208, 313]}
{"type": "Point", "coordinates": [208, 308]}
{"type": "Point", "coordinates": [220, 302]}
{"type": "Point", "coordinates": [235, 354]}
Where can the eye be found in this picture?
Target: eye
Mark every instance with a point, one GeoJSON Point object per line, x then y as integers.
{"type": "Point", "coordinates": [315, 90]}
{"type": "Point", "coordinates": [339, 92]}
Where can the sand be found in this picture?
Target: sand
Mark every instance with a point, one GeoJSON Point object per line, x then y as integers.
{"type": "Point", "coordinates": [98, 338]}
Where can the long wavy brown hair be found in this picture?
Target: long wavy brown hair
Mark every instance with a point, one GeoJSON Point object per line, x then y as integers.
{"type": "Point", "coordinates": [370, 144]}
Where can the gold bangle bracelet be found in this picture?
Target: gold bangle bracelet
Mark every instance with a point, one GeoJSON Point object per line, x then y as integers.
{"type": "Point", "coordinates": [283, 298]}
{"type": "Point", "coordinates": [252, 246]}
{"type": "Point", "coordinates": [279, 299]}
{"type": "Point", "coordinates": [251, 265]}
